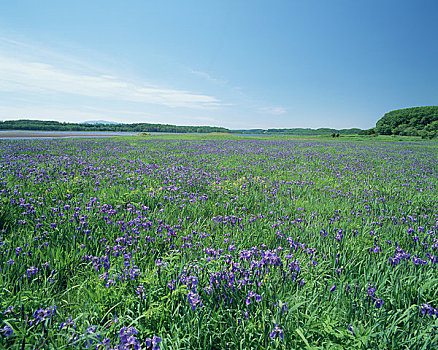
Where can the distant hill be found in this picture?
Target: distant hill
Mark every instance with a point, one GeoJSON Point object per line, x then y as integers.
{"type": "Point", "coordinates": [105, 122]}
{"type": "Point", "coordinates": [415, 121]}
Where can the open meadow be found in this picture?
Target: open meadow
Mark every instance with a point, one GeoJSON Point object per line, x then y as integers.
{"type": "Point", "coordinates": [198, 243]}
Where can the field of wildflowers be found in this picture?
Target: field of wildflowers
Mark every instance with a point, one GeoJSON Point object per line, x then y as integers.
{"type": "Point", "coordinates": [218, 244]}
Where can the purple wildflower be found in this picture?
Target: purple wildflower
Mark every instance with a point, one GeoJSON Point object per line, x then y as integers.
{"type": "Point", "coordinates": [7, 331]}
{"type": "Point", "coordinates": [154, 342]}
{"type": "Point", "coordinates": [275, 331]}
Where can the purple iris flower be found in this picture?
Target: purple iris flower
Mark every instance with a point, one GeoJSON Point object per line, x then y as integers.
{"type": "Point", "coordinates": [275, 331]}
{"type": "Point", "coordinates": [7, 331]}
{"type": "Point", "coordinates": [154, 342]}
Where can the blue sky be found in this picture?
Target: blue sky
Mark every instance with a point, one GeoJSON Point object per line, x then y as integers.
{"type": "Point", "coordinates": [237, 64]}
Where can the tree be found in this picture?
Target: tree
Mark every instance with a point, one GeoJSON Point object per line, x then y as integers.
{"type": "Point", "coordinates": [408, 121]}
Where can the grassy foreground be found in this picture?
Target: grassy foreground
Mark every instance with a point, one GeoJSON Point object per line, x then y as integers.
{"type": "Point", "coordinates": [218, 242]}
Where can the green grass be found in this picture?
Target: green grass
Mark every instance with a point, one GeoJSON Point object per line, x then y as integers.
{"type": "Point", "coordinates": [211, 241]}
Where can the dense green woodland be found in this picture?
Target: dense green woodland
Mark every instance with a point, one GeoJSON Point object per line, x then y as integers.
{"type": "Point", "coordinates": [25, 124]}
{"type": "Point", "coordinates": [416, 121]}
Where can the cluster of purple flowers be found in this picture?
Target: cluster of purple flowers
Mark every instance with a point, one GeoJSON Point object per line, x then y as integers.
{"type": "Point", "coordinates": [194, 300]}
{"type": "Point", "coordinates": [378, 302]}
{"type": "Point", "coordinates": [427, 309]}
{"type": "Point", "coordinates": [227, 222]}
{"type": "Point", "coordinates": [252, 295]}
{"type": "Point", "coordinates": [32, 271]}
{"type": "Point", "coordinates": [153, 343]}
{"type": "Point", "coordinates": [41, 315]}
{"type": "Point", "coordinates": [128, 339]}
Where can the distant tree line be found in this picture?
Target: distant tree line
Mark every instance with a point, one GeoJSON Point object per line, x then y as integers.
{"type": "Point", "coordinates": [303, 131]}
{"type": "Point", "coordinates": [415, 121]}
{"type": "Point", "coordinates": [41, 125]}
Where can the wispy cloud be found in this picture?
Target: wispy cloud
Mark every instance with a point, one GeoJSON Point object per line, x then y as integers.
{"type": "Point", "coordinates": [273, 110]}
{"type": "Point", "coordinates": [208, 77]}
{"type": "Point", "coordinates": [18, 75]}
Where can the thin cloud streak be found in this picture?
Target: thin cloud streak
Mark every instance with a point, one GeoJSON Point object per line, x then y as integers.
{"type": "Point", "coordinates": [24, 76]}
{"type": "Point", "coordinates": [208, 77]}
{"type": "Point", "coordinates": [274, 110]}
